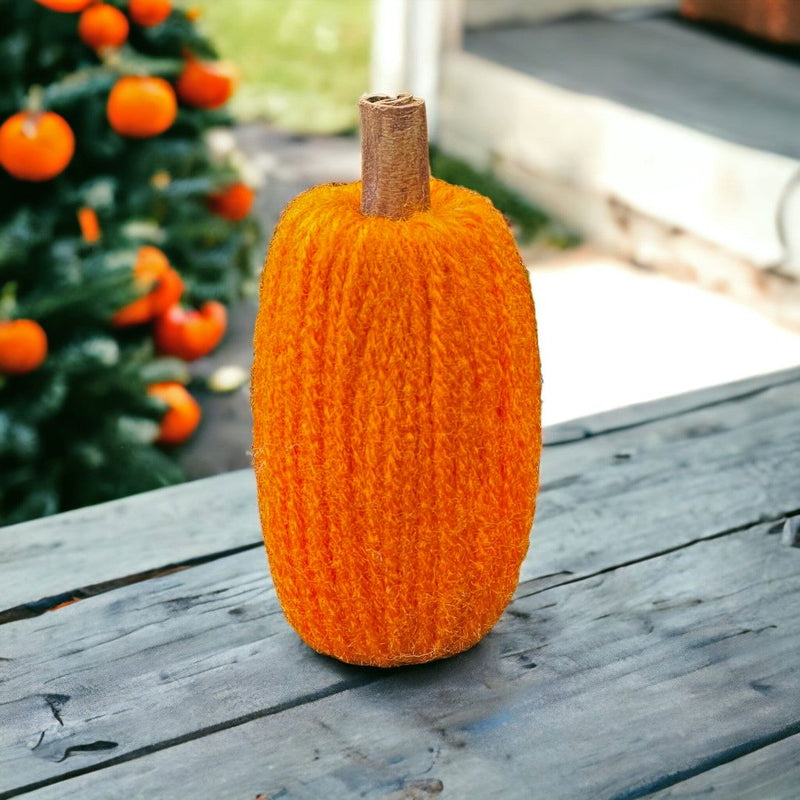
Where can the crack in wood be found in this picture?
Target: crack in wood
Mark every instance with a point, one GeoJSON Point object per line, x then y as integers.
{"type": "Point", "coordinates": [791, 532]}
{"type": "Point", "coordinates": [88, 748]}
{"type": "Point", "coordinates": [56, 702]}
{"type": "Point", "coordinates": [278, 708]}
{"type": "Point", "coordinates": [724, 757]}
{"type": "Point", "coordinates": [650, 556]}
{"type": "Point", "coordinates": [742, 632]}
{"type": "Point", "coordinates": [45, 604]}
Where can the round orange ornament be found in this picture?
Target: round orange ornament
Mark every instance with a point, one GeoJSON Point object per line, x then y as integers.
{"type": "Point", "coordinates": [68, 6]}
{"type": "Point", "coordinates": [206, 84]}
{"type": "Point", "coordinates": [149, 13]}
{"type": "Point", "coordinates": [234, 203]}
{"type": "Point", "coordinates": [190, 334]}
{"type": "Point", "coordinates": [23, 346]}
{"type": "Point", "coordinates": [102, 25]}
{"type": "Point", "coordinates": [141, 106]}
{"type": "Point", "coordinates": [183, 415]}
{"type": "Point", "coordinates": [36, 145]}
{"type": "Point", "coordinates": [89, 225]}
{"type": "Point", "coordinates": [152, 269]}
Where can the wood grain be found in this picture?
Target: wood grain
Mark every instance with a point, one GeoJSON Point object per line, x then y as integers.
{"type": "Point", "coordinates": [615, 686]}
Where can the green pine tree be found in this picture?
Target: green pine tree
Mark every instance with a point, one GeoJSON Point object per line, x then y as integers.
{"type": "Point", "coordinates": [81, 427]}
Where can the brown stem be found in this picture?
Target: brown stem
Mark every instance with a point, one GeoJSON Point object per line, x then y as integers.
{"type": "Point", "coordinates": [395, 170]}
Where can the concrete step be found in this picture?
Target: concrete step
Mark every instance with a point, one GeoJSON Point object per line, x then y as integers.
{"type": "Point", "coordinates": [667, 144]}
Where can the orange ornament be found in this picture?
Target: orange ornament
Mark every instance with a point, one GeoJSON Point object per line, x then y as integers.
{"type": "Point", "coordinates": [141, 106]}
{"type": "Point", "coordinates": [190, 334]}
{"type": "Point", "coordinates": [36, 145]}
{"type": "Point", "coordinates": [183, 415]}
{"type": "Point", "coordinates": [149, 13]}
{"type": "Point", "coordinates": [68, 6]}
{"type": "Point", "coordinates": [396, 406]}
{"type": "Point", "coordinates": [234, 203]}
{"type": "Point", "coordinates": [152, 270]}
{"type": "Point", "coordinates": [206, 84]}
{"type": "Point", "coordinates": [89, 225]}
{"type": "Point", "coordinates": [102, 25]}
{"type": "Point", "coordinates": [23, 346]}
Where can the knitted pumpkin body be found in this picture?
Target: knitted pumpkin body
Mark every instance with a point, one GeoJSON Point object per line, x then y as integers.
{"type": "Point", "coordinates": [396, 402]}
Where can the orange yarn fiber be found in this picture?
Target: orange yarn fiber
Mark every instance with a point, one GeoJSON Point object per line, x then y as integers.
{"type": "Point", "coordinates": [396, 400]}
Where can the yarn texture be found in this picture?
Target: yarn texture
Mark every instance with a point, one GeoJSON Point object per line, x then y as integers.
{"type": "Point", "coordinates": [396, 400]}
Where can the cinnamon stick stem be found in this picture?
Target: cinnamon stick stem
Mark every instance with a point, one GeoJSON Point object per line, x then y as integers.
{"type": "Point", "coordinates": [395, 168]}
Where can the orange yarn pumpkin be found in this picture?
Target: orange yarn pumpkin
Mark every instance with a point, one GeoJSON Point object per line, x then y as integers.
{"type": "Point", "coordinates": [190, 334]}
{"type": "Point", "coordinates": [102, 26]}
{"type": "Point", "coordinates": [67, 6]}
{"type": "Point", "coordinates": [396, 405]}
{"type": "Point", "coordinates": [183, 415]}
{"type": "Point", "coordinates": [151, 271]}
{"type": "Point", "coordinates": [36, 146]}
{"type": "Point", "coordinates": [141, 106]}
{"type": "Point", "coordinates": [23, 346]}
{"type": "Point", "coordinates": [149, 13]}
{"type": "Point", "coordinates": [234, 203]}
{"type": "Point", "coordinates": [206, 84]}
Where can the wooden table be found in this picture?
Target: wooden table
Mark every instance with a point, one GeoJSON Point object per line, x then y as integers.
{"type": "Point", "coordinates": [652, 649]}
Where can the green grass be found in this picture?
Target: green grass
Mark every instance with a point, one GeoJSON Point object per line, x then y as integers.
{"type": "Point", "coordinates": [304, 63]}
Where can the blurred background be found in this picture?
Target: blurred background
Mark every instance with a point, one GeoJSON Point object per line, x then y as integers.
{"type": "Point", "coordinates": [664, 145]}
{"type": "Point", "coordinates": [646, 153]}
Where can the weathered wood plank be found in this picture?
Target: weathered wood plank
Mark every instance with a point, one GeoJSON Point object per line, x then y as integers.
{"type": "Point", "coordinates": [641, 413]}
{"type": "Point", "coordinates": [771, 773]}
{"type": "Point", "coordinates": [606, 688]}
{"type": "Point", "coordinates": [621, 443]}
{"type": "Point", "coordinates": [100, 543]}
{"type": "Point", "coordinates": [723, 481]}
{"type": "Point", "coordinates": [624, 509]}
{"type": "Point", "coordinates": [117, 663]}
{"type": "Point", "coordinates": [58, 554]}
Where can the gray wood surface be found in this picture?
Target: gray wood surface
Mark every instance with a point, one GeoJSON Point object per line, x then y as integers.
{"type": "Point", "coordinates": [771, 773]}
{"type": "Point", "coordinates": [696, 477]}
{"type": "Point", "coordinates": [54, 556]}
{"type": "Point", "coordinates": [663, 67]}
{"type": "Point", "coordinates": [611, 687]}
{"type": "Point", "coordinates": [654, 638]}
